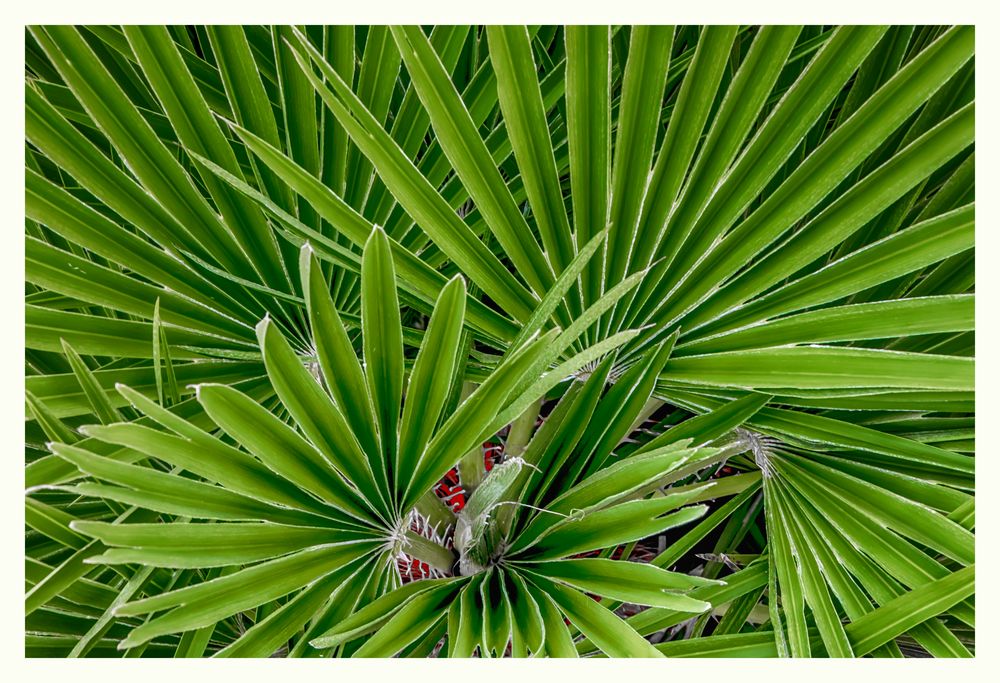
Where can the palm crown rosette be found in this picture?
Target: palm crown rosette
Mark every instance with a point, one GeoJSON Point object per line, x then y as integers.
{"type": "Point", "coordinates": [708, 288]}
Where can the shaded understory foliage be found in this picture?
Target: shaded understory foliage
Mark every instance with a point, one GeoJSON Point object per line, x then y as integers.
{"type": "Point", "coordinates": [484, 341]}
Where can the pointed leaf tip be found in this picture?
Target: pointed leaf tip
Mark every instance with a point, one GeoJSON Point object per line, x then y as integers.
{"type": "Point", "coordinates": [261, 327]}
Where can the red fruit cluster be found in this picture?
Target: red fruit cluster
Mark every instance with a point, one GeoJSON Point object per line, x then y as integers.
{"type": "Point", "coordinates": [450, 490]}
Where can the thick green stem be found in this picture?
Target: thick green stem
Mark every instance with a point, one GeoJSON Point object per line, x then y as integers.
{"type": "Point", "coordinates": [521, 431]}
{"type": "Point", "coordinates": [722, 487]}
{"type": "Point", "coordinates": [426, 550]}
{"type": "Point", "coordinates": [729, 445]}
{"type": "Point", "coordinates": [434, 510]}
{"type": "Point", "coordinates": [677, 475]}
{"type": "Point", "coordinates": [471, 468]}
